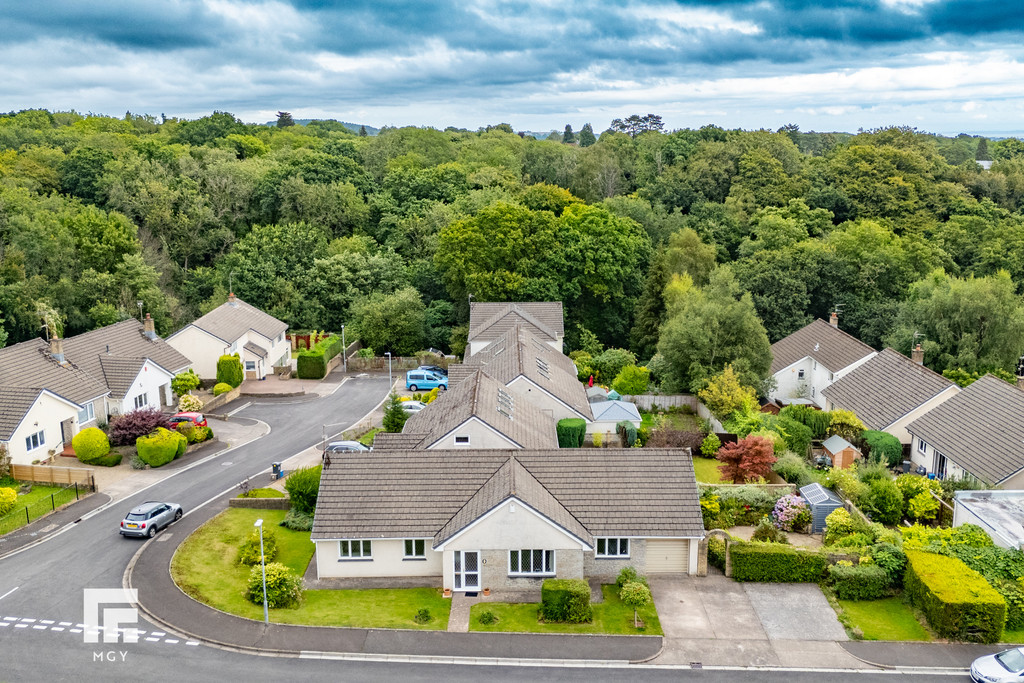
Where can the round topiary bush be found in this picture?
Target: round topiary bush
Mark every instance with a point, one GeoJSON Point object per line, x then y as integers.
{"type": "Point", "coordinates": [284, 588]}
{"type": "Point", "coordinates": [90, 445]}
{"type": "Point", "coordinates": [158, 448]}
{"type": "Point", "coordinates": [221, 388]}
{"type": "Point", "coordinates": [8, 499]}
{"type": "Point", "coordinates": [190, 404]}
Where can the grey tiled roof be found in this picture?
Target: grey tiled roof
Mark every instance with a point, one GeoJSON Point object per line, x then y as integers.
{"type": "Point", "coordinates": [513, 480]}
{"type": "Point", "coordinates": [29, 364]}
{"type": "Point", "coordinates": [647, 492]}
{"type": "Point", "coordinates": [255, 349]}
{"type": "Point", "coordinates": [126, 340]}
{"type": "Point", "coordinates": [397, 441]}
{"type": "Point", "coordinates": [520, 352]}
{"type": "Point", "coordinates": [120, 373]}
{"type": "Point", "coordinates": [478, 396]}
{"type": "Point", "coordinates": [489, 320]}
{"type": "Point", "coordinates": [981, 429]}
{"type": "Point", "coordinates": [885, 388]}
{"type": "Point", "coordinates": [828, 345]}
{"type": "Point", "coordinates": [15, 402]}
{"type": "Point", "coordinates": [229, 321]}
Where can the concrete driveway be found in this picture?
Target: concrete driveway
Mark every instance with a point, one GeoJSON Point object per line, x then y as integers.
{"type": "Point", "coordinates": [717, 621]}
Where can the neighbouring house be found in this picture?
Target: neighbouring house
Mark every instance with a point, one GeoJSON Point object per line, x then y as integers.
{"type": "Point", "coordinates": [489, 321]}
{"type": "Point", "coordinates": [842, 452]}
{"type": "Point", "coordinates": [596, 394]}
{"type": "Point", "coordinates": [506, 519]}
{"type": "Point", "coordinates": [608, 414]}
{"type": "Point", "coordinates": [812, 358]}
{"type": "Point", "coordinates": [999, 513]}
{"type": "Point", "coordinates": [34, 423]}
{"type": "Point", "coordinates": [890, 391]}
{"type": "Point", "coordinates": [978, 433]}
{"type": "Point", "coordinates": [479, 413]}
{"type": "Point", "coordinates": [234, 327]}
{"type": "Point", "coordinates": [532, 369]}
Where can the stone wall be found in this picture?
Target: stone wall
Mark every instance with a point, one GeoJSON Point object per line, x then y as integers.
{"type": "Point", "coordinates": [260, 503]}
{"type": "Point", "coordinates": [218, 401]}
{"type": "Point", "coordinates": [494, 570]}
{"type": "Point", "coordinates": [609, 569]}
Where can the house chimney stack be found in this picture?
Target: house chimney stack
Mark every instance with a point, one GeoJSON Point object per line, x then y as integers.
{"type": "Point", "coordinates": [149, 327]}
{"type": "Point", "coordinates": [917, 355]}
{"type": "Point", "coordinates": [57, 349]}
{"type": "Point", "coordinates": [833, 320]}
{"type": "Point", "coordinates": [231, 299]}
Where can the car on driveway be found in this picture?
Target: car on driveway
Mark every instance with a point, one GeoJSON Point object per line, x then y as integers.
{"type": "Point", "coordinates": [436, 369]}
{"type": "Point", "coordinates": [149, 518]}
{"type": "Point", "coordinates": [424, 379]}
{"type": "Point", "coordinates": [1007, 665]}
{"type": "Point", "coordinates": [198, 419]}
{"type": "Point", "coordinates": [413, 406]}
{"type": "Point", "coordinates": [345, 447]}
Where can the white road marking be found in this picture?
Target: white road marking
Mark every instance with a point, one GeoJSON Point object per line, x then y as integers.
{"type": "Point", "coordinates": [172, 641]}
{"type": "Point", "coordinates": [21, 626]}
{"type": "Point", "coordinates": [39, 627]}
{"type": "Point", "coordinates": [9, 592]}
{"type": "Point", "coordinates": [56, 628]}
{"type": "Point", "coordinates": [192, 642]}
{"type": "Point", "coordinates": [153, 640]}
{"type": "Point", "coordinates": [27, 620]}
{"type": "Point", "coordinates": [157, 633]}
{"type": "Point", "coordinates": [76, 630]}
{"type": "Point", "coordinates": [47, 621]}
{"type": "Point", "coordinates": [5, 623]}
{"type": "Point", "coordinates": [240, 408]}
{"type": "Point", "coordinates": [65, 623]}
{"type": "Point", "coordinates": [10, 618]}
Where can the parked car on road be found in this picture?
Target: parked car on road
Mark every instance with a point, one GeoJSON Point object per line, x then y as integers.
{"type": "Point", "coordinates": [436, 369]}
{"type": "Point", "coordinates": [149, 518]}
{"type": "Point", "coordinates": [345, 446]}
{"type": "Point", "coordinates": [1007, 665]}
{"type": "Point", "coordinates": [424, 379]}
{"type": "Point", "coordinates": [198, 419]}
{"type": "Point", "coordinates": [413, 406]}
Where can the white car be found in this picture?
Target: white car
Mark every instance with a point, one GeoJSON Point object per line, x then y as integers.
{"type": "Point", "coordinates": [413, 406]}
{"type": "Point", "coordinates": [1007, 665]}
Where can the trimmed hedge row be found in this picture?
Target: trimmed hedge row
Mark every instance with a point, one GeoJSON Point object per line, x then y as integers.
{"type": "Point", "coordinates": [571, 432]}
{"type": "Point", "coordinates": [566, 600]}
{"type": "Point", "coordinates": [312, 364]}
{"type": "Point", "coordinates": [160, 447]}
{"type": "Point", "coordinates": [957, 601]}
{"type": "Point", "coordinates": [774, 562]}
{"type": "Point", "coordinates": [858, 582]}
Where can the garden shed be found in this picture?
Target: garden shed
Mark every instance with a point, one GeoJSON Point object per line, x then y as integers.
{"type": "Point", "coordinates": [822, 502]}
{"type": "Point", "coordinates": [842, 452]}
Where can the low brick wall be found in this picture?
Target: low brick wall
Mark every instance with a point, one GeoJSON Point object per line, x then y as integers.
{"type": "Point", "coordinates": [260, 503]}
{"type": "Point", "coordinates": [218, 401]}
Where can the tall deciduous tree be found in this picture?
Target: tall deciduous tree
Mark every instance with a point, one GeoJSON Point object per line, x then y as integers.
{"type": "Point", "coordinates": [635, 124]}
{"type": "Point", "coordinates": [391, 322]}
{"type": "Point", "coordinates": [284, 119]}
{"type": "Point", "coordinates": [749, 458]}
{"type": "Point", "coordinates": [724, 393]}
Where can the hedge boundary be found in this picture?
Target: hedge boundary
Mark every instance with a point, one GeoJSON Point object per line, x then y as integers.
{"type": "Point", "coordinates": [957, 601]}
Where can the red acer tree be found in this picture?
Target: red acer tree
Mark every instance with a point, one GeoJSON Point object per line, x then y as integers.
{"type": "Point", "coordinates": [748, 458]}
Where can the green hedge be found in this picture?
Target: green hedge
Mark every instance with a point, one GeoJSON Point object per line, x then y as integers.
{"type": "Point", "coordinates": [571, 432]}
{"type": "Point", "coordinates": [311, 365]}
{"type": "Point", "coordinates": [859, 582]}
{"type": "Point", "coordinates": [566, 600]}
{"type": "Point", "coordinates": [330, 347]}
{"type": "Point", "coordinates": [627, 432]}
{"type": "Point", "coordinates": [957, 601]}
{"type": "Point", "coordinates": [111, 459]}
{"type": "Point", "coordinates": [229, 370]}
{"type": "Point", "coordinates": [883, 447]}
{"type": "Point", "coordinates": [160, 447]}
{"type": "Point", "coordinates": [716, 552]}
{"type": "Point", "coordinates": [774, 562]}
{"type": "Point", "coordinates": [90, 445]}
{"type": "Point", "coordinates": [221, 388]}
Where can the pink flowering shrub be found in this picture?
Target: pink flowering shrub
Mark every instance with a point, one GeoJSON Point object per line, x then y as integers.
{"type": "Point", "coordinates": [791, 513]}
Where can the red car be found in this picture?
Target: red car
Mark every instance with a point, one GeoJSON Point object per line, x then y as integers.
{"type": "Point", "coordinates": [198, 419]}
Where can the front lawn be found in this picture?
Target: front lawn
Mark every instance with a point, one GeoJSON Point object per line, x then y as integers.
{"type": "Point", "coordinates": [204, 567]}
{"type": "Point", "coordinates": [262, 493]}
{"type": "Point", "coordinates": [610, 617]}
{"type": "Point", "coordinates": [886, 619]}
{"type": "Point", "coordinates": [1015, 637]}
{"type": "Point", "coordinates": [674, 420]}
{"type": "Point", "coordinates": [38, 502]}
{"type": "Point", "coordinates": [707, 470]}
{"type": "Point", "coordinates": [38, 493]}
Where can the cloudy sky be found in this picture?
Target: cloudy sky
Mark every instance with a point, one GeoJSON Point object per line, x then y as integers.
{"type": "Point", "coordinates": [944, 66]}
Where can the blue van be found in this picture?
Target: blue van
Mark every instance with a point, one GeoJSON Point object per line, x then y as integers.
{"type": "Point", "coordinates": [416, 380]}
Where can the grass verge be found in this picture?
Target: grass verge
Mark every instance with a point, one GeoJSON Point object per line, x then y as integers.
{"type": "Point", "coordinates": [262, 493]}
{"type": "Point", "coordinates": [886, 619]}
{"type": "Point", "coordinates": [204, 567]}
{"type": "Point", "coordinates": [610, 617]}
{"type": "Point", "coordinates": [707, 470]}
{"type": "Point", "coordinates": [1015, 637]}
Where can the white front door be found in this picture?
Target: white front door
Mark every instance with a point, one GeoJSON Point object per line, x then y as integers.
{"type": "Point", "coordinates": [467, 570]}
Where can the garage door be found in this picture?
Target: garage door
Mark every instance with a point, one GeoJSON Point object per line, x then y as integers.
{"type": "Point", "coordinates": [668, 556]}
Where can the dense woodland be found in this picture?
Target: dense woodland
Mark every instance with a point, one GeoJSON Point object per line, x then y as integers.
{"type": "Point", "coordinates": [693, 248]}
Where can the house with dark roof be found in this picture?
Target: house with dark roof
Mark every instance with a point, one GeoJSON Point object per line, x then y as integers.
{"type": "Point", "coordinates": [813, 357]}
{"type": "Point", "coordinates": [890, 391]}
{"type": "Point", "coordinates": [234, 327]}
{"type": "Point", "coordinates": [608, 414]}
{"type": "Point", "coordinates": [479, 413]}
{"type": "Point", "coordinates": [490, 320]}
{"type": "Point", "coordinates": [978, 433]}
{"type": "Point", "coordinates": [506, 519]}
{"type": "Point", "coordinates": [529, 367]}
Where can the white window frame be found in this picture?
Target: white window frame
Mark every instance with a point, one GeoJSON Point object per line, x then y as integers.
{"type": "Point", "coordinates": [547, 561]}
{"type": "Point", "coordinates": [142, 400]}
{"type": "Point", "coordinates": [249, 363]}
{"type": "Point", "coordinates": [363, 550]}
{"type": "Point", "coordinates": [415, 549]}
{"type": "Point", "coordinates": [800, 374]}
{"type": "Point", "coordinates": [922, 447]}
{"type": "Point", "coordinates": [87, 413]}
{"type": "Point", "coordinates": [38, 437]}
{"type": "Point", "coordinates": [464, 439]}
{"type": "Point", "coordinates": [604, 545]}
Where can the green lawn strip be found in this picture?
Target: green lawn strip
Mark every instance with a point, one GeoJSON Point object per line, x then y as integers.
{"type": "Point", "coordinates": [262, 493]}
{"type": "Point", "coordinates": [707, 470]}
{"type": "Point", "coordinates": [1015, 637]}
{"type": "Point", "coordinates": [610, 617]}
{"type": "Point", "coordinates": [886, 619]}
{"type": "Point", "coordinates": [38, 493]}
{"type": "Point", "coordinates": [204, 567]}
{"type": "Point", "coordinates": [367, 438]}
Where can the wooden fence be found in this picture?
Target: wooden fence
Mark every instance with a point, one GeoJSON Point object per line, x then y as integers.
{"type": "Point", "coordinates": [398, 363]}
{"type": "Point", "coordinates": [40, 474]}
{"type": "Point", "coordinates": [646, 401]}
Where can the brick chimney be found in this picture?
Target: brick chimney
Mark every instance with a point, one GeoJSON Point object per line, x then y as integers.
{"type": "Point", "coordinates": [231, 299]}
{"type": "Point", "coordinates": [917, 355]}
{"type": "Point", "coordinates": [833, 320]}
{"type": "Point", "coordinates": [57, 349]}
{"type": "Point", "coordinates": [149, 327]}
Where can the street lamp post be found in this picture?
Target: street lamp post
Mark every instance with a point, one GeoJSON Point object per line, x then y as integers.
{"type": "Point", "coordinates": [344, 350]}
{"type": "Point", "coordinates": [391, 382]}
{"type": "Point", "coordinates": [263, 566]}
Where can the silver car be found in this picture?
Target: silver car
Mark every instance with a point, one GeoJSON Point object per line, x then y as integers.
{"type": "Point", "coordinates": [413, 406]}
{"type": "Point", "coordinates": [345, 446]}
{"type": "Point", "coordinates": [1007, 665]}
{"type": "Point", "coordinates": [149, 518]}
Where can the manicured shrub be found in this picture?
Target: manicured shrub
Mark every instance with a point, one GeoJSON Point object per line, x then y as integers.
{"type": "Point", "coordinates": [794, 469]}
{"type": "Point", "coordinates": [710, 445]}
{"type": "Point", "coordinates": [8, 500]}
{"type": "Point", "coordinates": [969, 535]}
{"type": "Point", "coordinates": [1003, 568]}
{"type": "Point", "coordinates": [817, 420]}
{"type": "Point", "coordinates": [774, 562]}
{"type": "Point", "coordinates": [845, 423]}
{"type": "Point", "coordinates": [203, 434]}
{"type": "Point", "coordinates": [791, 513]}
{"type": "Point", "coordinates": [922, 506]}
{"type": "Point", "coordinates": [190, 404]}
{"type": "Point", "coordinates": [716, 552]}
{"type": "Point", "coordinates": [858, 582]}
{"type": "Point", "coordinates": [159, 448]}
{"type": "Point", "coordinates": [632, 380]}
{"type": "Point", "coordinates": [221, 388]}
{"type": "Point", "coordinates": [125, 429]}
{"type": "Point", "coordinates": [284, 588]}
{"type": "Point", "coordinates": [182, 445]}
{"type": "Point", "coordinates": [311, 365]}
{"type": "Point", "coordinates": [90, 445]}
{"type": "Point", "coordinates": [187, 430]}
{"type": "Point", "coordinates": [957, 601]}
{"type": "Point", "coordinates": [635, 594]}
{"type": "Point", "coordinates": [796, 435]}
{"type": "Point", "coordinates": [229, 370]}
{"type": "Point", "coordinates": [767, 532]}
{"type": "Point", "coordinates": [884, 502]}
{"type": "Point", "coordinates": [571, 432]}
{"type": "Point", "coordinates": [423, 616]}
{"type": "Point", "coordinates": [883, 447]}
{"type": "Point", "coordinates": [297, 521]}
{"type": "Point", "coordinates": [892, 560]}
{"type": "Point", "coordinates": [839, 524]}
{"type": "Point", "coordinates": [627, 433]}
{"type": "Point", "coordinates": [487, 618]}
{"type": "Point", "coordinates": [566, 600]}
{"type": "Point", "coordinates": [184, 382]}
{"type": "Point", "coordinates": [302, 487]}
{"type": "Point", "coordinates": [626, 574]}
{"type": "Point", "coordinates": [111, 459]}
{"type": "Point", "coordinates": [249, 551]}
